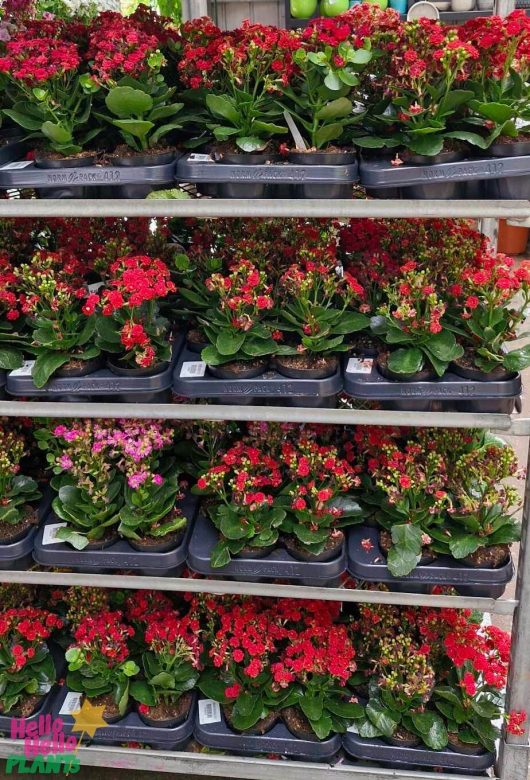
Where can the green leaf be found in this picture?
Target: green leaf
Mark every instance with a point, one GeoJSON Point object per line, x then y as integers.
{"type": "Point", "coordinates": [432, 729]}
{"type": "Point", "coordinates": [27, 122]}
{"type": "Point", "coordinates": [498, 112]}
{"type": "Point", "coordinates": [381, 717]}
{"type": "Point", "coordinates": [405, 553]}
{"type": "Point", "coordinates": [360, 56]}
{"type": "Point", "coordinates": [10, 358]}
{"type": "Point", "coordinates": [141, 692]}
{"type": "Point", "coordinates": [332, 81]}
{"type": "Point", "coordinates": [328, 133]}
{"type": "Point", "coordinates": [128, 102]}
{"type": "Point", "coordinates": [211, 356]}
{"type": "Point", "coordinates": [45, 366]}
{"type": "Point", "coordinates": [462, 546]}
{"type": "Point", "coordinates": [518, 359]}
{"type": "Point", "coordinates": [251, 143]}
{"type": "Point", "coordinates": [220, 555]}
{"type": "Point", "coordinates": [231, 526]}
{"type": "Point", "coordinates": [223, 107]}
{"type": "Point", "coordinates": [229, 342]}
{"type": "Point", "coordinates": [428, 145]}
{"type": "Point", "coordinates": [406, 361]}
{"type": "Point", "coordinates": [323, 726]}
{"type": "Point", "coordinates": [312, 706]}
{"type": "Point", "coordinates": [454, 99]}
{"type": "Point", "coordinates": [340, 107]}
{"type": "Point", "coordinates": [135, 127]}
{"type": "Point", "coordinates": [443, 346]}
{"type": "Point", "coordinates": [56, 133]}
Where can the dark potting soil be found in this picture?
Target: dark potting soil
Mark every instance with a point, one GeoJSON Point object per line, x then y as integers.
{"type": "Point", "coordinates": [49, 154]}
{"type": "Point", "coordinates": [25, 707]}
{"type": "Point", "coordinates": [298, 724]}
{"type": "Point", "coordinates": [153, 541]}
{"type": "Point", "coordinates": [111, 711]}
{"type": "Point", "coordinates": [468, 361]}
{"type": "Point", "coordinates": [463, 747]}
{"type": "Point", "coordinates": [261, 727]}
{"type": "Point", "coordinates": [166, 710]}
{"type": "Point", "coordinates": [327, 150]}
{"type": "Point", "coordinates": [506, 139]}
{"type": "Point", "coordinates": [401, 734]}
{"type": "Point", "coordinates": [8, 531]}
{"type": "Point", "coordinates": [489, 557]}
{"type": "Point", "coordinates": [197, 337]}
{"type": "Point", "coordinates": [308, 361]}
{"type": "Point", "coordinates": [110, 533]}
{"type": "Point", "coordinates": [125, 151]}
{"type": "Point", "coordinates": [240, 366]}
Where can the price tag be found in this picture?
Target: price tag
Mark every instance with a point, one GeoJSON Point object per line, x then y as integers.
{"type": "Point", "coordinates": [199, 158]}
{"type": "Point", "coordinates": [25, 370]}
{"type": "Point", "coordinates": [360, 365]}
{"type": "Point", "coordinates": [192, 369]}
{"type": "Point", "coordinates": [71, 704]}
{"type": "Point", "coordinates": [209, 711]}
{"type": "Point", "coordinates": [49, 535]}
{"type": "Point", "coordinates": [17, 165]}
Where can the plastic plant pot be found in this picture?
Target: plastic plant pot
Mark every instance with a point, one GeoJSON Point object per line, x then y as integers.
{"type": "Point", "coordinates": [370, 565]}
{"type": "Point", "coordinates": [60, 165]}
{"type": "Point", "coordinates": [17, 555]}
{"type": "Point", "coordinates": [119, 555]}
{"type": "Point", "coordinates": [331, 191]}
{"type": "Point", "coordinates": [131, 728]}
{"type": "Point", "coordinates": [140, 191]}
{"type": "Point", "coordinates": [279, 564]}
{"type": "Point", "coordinates": [512, 240]}
{"type": "Point", "coordinates": [216, 734]}
{"type": "Point", "coordinates": [242, 190]}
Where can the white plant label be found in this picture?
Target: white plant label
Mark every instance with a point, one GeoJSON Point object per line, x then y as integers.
{"type": "Point", "coordinates": [192, 369]}
{"type": "Point", "coordinates": [24, 370]}
{"type": "Point", "coordinates": [360, 366]}
{"type": "Point", "coordinates": [71, 704]}
{"type": "Point", "coordinates": [209, 711]}
{"type": "Point", "coordinates": [199, 158]}
{"type": "Point", "coordinates": [94, 287]}
{"type": "Point", "coordinates": [50, 533]}
{"type": "Point", "coordinates": [17, 165]}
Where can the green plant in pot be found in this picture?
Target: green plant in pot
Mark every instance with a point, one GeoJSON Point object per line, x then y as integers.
{"type": "Point", "coordinates": [11, 341]}
{"type": "Point", "coordinates": [51, 98]}
{"type": "Point", "coordinates": [240, 336]}
{"type": "Point", "coordinates": [99, 663]}
{"type": "Point", "coordinates": [488, 309]}
{"type": "Point", "coordinates": [399, 693]}
{"type": "Point", "coordinates": [89, 488]}
{"type": "Point", "coordinates": [317, 499]}
{"type": "Point", "coordinates": [412, 478]}
{"type": "Point", "coordinates": [17, 491]}
{"type": "Point", "coordinates": [482, 521]}
{"type": "Point", "coordinates": [321, 95]}
{"type": "Point", "coordinates": [324, 703]}
{"type": "Point", "coordinates": [149, 518]}
{"type": "Point", "coordinates": [61, 321]}
{"type": "Point", "coordinates": [239, 669]}
{"type": "Point", "coordinates": [411, 324]}
{"type": "Point", "coordinates": [314, 314]}
{"type": "Point", "coordinates": [241, 503]}
{"type": "Point", "coordinates": [27, 671]}
{"type": "Point", "coordinates": [170, 665]}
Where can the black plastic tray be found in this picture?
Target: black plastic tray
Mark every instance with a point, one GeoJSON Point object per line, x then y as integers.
{"type": "Point", "coordinates": [279, 739]}
{"type": "Point", "coordinates": [17, 174]}
{"type": "Point", "coordinates": [370, 565]}
{"type": "Point", "coordinates": [365, 381]}
{"type": "Point", "coordinates": [278, 565]}
{"type": "Point", "coordinates": [18, 555]}
{"type": "Point", "coordinates": [378, 750]}
{"type": "Point", "coordinates": [201, 169]}
{"type": "Point", "coordinates": [132, 729]}
{"type": "Point", "coordinates": [12, 151]}
{"type": "Point", "coordinates": [381, 173]}
{"type": "Point", "coordinates": [102, 382]}
{"type": "Point", "coordinates": [119, 555]}
{"type": "Point", "coordinates": [197, 383]}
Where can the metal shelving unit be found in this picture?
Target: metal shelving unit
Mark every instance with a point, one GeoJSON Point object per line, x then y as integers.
{"type": "Point", "coordinates": [514, 750]}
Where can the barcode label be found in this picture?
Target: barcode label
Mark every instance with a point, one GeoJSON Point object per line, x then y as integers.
{"type": "Point", "coordinates": [71, 704]}
{"type": "Point", "coordinates": [25, 370]}
{"type": "Point", "coordinates": [193, 368]}
{"type": "Point", "coordinates": [17, 165]}
{"type": "Point", "coordinates": [209, 711]}
{"type": "Point", "coordinates": [49, 535]}
{"type": "Point", "coordinates": [360, 366]}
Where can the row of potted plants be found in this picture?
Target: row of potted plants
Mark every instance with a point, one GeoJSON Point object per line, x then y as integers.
{"type": "Point", "coordinates": [364, 78]}
{"type": "Point", "coordinates": [429, 492]}
{"type": "Point", "coordinates": [408, 675]}
{"type": "Point", "coordinates": [421, 296]}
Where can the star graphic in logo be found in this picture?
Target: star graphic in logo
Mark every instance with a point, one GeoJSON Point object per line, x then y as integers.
{"type": "Point", "coordinates": [88, 719]}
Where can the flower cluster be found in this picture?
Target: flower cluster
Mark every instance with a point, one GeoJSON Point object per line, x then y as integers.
{"type": "Point", "coordinates": [22, 633]}
{"type": "Point", "coordinates": [117, 47]}
{"type": "Point", "coordinates": [40, 60]}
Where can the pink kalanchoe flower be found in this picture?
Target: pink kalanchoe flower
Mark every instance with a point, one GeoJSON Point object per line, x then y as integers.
{"type": "Point", "coordinates": [66, 462]}
{"type": "Point", "coordinates": [135, 480]}
{"type": "Point", "coordinates": [158, 479]}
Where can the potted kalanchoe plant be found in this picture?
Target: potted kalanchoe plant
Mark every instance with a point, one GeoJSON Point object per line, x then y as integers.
{"type": "Point", "coordinates": [17, 492]}
{"type": "Point", "coordinates": [60, 314]}
{"type": "Point", "coordinates": [130, 327]}
{"type": "Point", "coordinates": [490, 304]}
{"type": "Point", "coordinates": [99, 663]}
{"type": "Point", "coordinates": [482, 522]}
{"type": "Point", "coordinates": [11, 342]}
{"type": "Point", "coordinates": [411, 324]}
{"type": "Point", "coordinates": [240, 501]}
{"type": "Point", "coordinates": [317, 499]}
{"type": "Point", "coordinates": [149, 517]}
{"type": "Point", "coordinates": [27, 671]}
{"type": "Point", "coordinates": [240, 340]}
{"type": "Point", "coordinates": [239, 673]}
{"type": "Point", "coordinates": [171, 669]}
{"type": "Point", "coordinates": [315, 317]}
{"type": "Point", "coordinates": [89, 486]}
{"type": "Point", "coordinates": [51, 98]}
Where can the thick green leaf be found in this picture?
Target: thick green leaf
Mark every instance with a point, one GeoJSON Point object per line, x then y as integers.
{"type": "Point", "coordinates": [135, 127]}
{"type": "Point", "coordinates": [10, 358]}
{"type": "Point", "coordinates": [229, 342]}
{"type": "Point", "coordinates": [428, 145]}
{"type": "Point", "coordinates": [223, 107]}
{"type": "Point", "coordinates": [56, 133]}
{"type": "Point", "coordinates": [328, 133]}
{"type": "Point", "coordinates": [312, 706]}
{"type": "Point", "coordinates": [332, 81]}
{"type": "Point", "coordinates": [432, 729]}
{"type": "Point", "coordinates": [251, 143]}
{"type": "Point", "coordinates": [518, 359]}
{"type": "Point", "coordinates": [126, 102]}
{"type": "Point", "coordinates": [464, 545]}
{"type": "Point", "coordinates": [336, 109]}
{"type": "Point", "coordinates": [498, 112]}
{"type": "Point", "coordinates": [406, 361]}
{"type": "Point", "coordinates": [45, 366]}
{"type": "Point", "coordinates": [444, 347]}
{"type": "Point", "coordinates": [381, 717]}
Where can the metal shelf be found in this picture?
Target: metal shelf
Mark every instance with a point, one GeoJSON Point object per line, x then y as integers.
{"type": "Point", "coordinates": [184, 584]}
{"type": "Point", "coordinates": [229, 766]}
{"type": "Point", "coordinates": [204, 207]}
